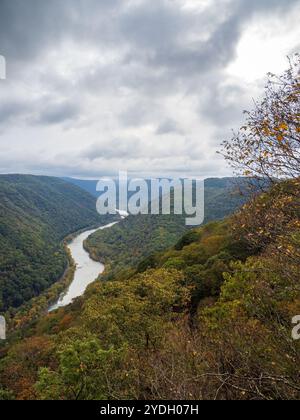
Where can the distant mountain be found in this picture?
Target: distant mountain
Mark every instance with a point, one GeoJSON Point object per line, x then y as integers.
{"type": "Point", "coordinates": [36, 213]}
{"type": "Point", "coordinates": [140, 236]}
{"type": "Point", "coordinates": [87, 185]}
{"type": "Point", "coordinates": [215, 187]}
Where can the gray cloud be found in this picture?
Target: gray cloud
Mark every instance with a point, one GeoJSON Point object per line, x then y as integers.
{"type": "Point", "coordinates": [154, 30]}
{"type": "Point", "coordinates": [28, 28]}
{"type": "Point", "coordinates": [11, 109]}
{"type": "Point", "coordinates": [117, 148]}
{"type": "Point", "coordinates": [157, 32]}
{"type": "Point", "coordinates": [42, 112]}
{"type": "Point", "coordinates": [134, 71]}
{"type": "Point", "coordinates": [168, 127]}
{"type": "Point", "coordinates": [139, 114]}
{"type": "Point", "coordinates": [57, 113]}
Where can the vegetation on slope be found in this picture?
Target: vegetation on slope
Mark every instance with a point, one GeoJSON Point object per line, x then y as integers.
{"type": "Point", "coordinates": [210, 319]}
{"type": "Point", "coordinates": [36, 213]}
{"type": "Point", "coordinates": [137, 237]}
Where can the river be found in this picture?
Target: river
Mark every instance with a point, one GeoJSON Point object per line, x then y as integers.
{"type": "Point", "coordinates": [87, 270]}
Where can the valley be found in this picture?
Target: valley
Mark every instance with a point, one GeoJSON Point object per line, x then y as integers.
{"type": "Point", "coordinates": [194, 296]}
{"type": "Point", "coordinates": [36, 214]}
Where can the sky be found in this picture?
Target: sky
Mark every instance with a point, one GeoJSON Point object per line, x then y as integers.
{"type": "Point", "coordinates": [148, 86]}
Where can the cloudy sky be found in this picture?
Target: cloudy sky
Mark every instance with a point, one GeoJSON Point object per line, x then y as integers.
{"type": "Point", "coordinates": [151, 86]}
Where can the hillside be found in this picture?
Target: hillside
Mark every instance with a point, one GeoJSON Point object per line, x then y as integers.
{"type": "Point", "coordinates": [36, 213]}
{"type": "Point", "coordinates": [217, 305]}
{"type": "Point", "coordinates": [140, 236]}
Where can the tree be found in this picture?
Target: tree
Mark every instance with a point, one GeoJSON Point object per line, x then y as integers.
{"type": "Point", "coordinates": [136, 311]}
{"type": "Point", "coordinates": [6, 395]}
{"type": "Point", "coordinates": [86, 372]}
{"type": "Point", "coordinates": [268, 145]}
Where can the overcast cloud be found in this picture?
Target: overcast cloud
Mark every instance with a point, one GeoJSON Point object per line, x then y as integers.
{"type": "Point", "coordinates": [151, 86]}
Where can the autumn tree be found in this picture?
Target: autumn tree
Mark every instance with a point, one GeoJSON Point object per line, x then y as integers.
{"type": "Point", "coordinates": [136, 311]}
{"type": "Point", "coordinates": [86, 372]}
{"type": "Point", "coordinates": [268, 145]}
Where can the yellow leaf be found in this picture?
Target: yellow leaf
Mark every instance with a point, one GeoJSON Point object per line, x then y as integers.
{"type": "Point", "coordinates": [280, 137]}
{"type": "Point", "coordinates": [283, 126]}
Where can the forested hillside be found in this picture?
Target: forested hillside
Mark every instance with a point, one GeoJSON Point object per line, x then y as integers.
{"type": "Point", "coordinates": [36, 213]}
{"type": "Point", "coordinates": [140, 236]}
{"type": "Point", "coordinates": [211, 318]}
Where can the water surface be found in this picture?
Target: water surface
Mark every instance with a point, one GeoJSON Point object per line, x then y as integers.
{"type": "Point", "coordinates": [87, 270]}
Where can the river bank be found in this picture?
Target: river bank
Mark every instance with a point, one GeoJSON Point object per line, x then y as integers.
{"type": "Point", "coordinates": [86, 272]}
{"type": "Point", "coordinates": [38, 306]}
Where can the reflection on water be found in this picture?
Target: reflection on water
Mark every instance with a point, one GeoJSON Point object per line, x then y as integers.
{"type": "Point", "coordinates": [86, 272]}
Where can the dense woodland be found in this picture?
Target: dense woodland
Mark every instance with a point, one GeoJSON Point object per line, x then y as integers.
{"type": "Point", "coordinates": [36, 214]}
{"type": "Point", "coordinates": [140, 236]}
{"type": "Point", "coordinates": [208, 318]}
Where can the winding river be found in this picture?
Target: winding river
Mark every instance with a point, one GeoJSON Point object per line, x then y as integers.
{"type": "Point", "coordinates": [87, 270]}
